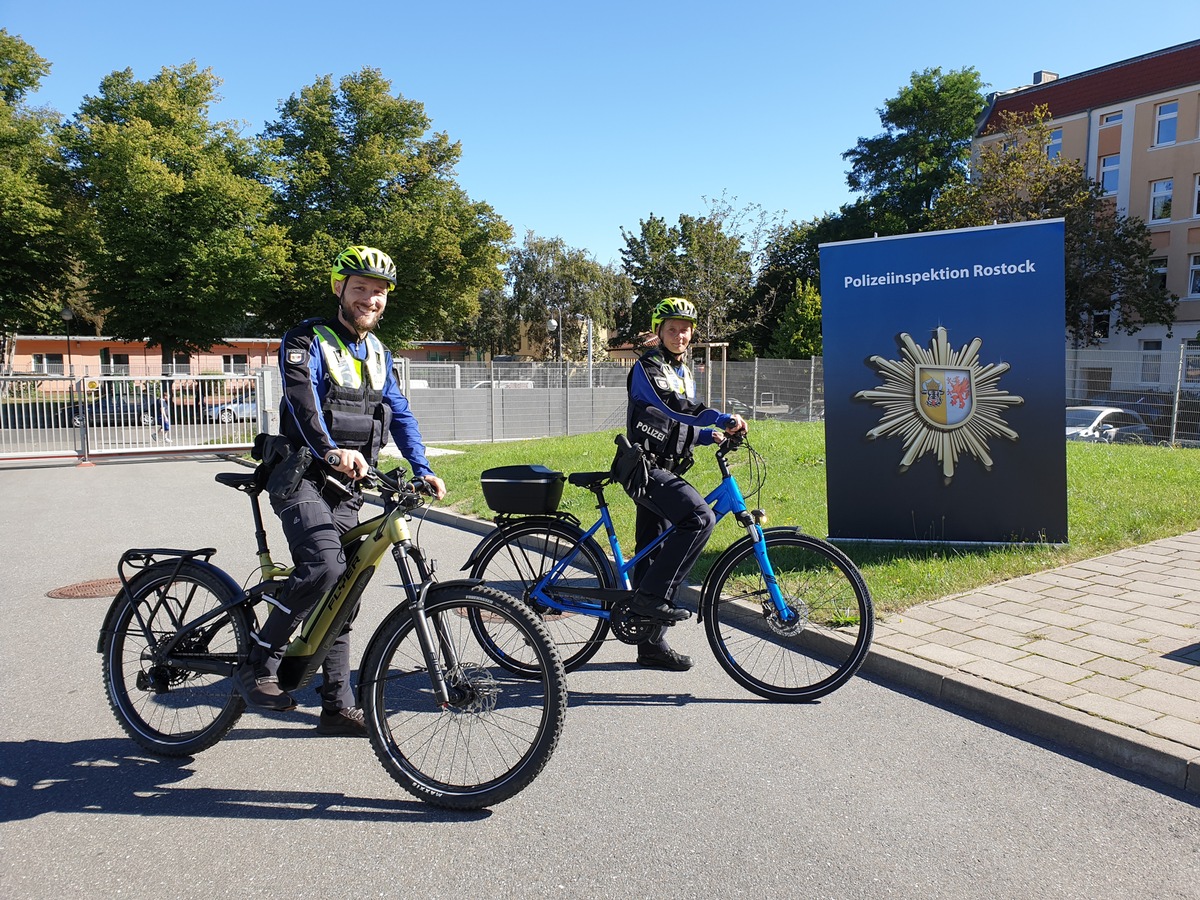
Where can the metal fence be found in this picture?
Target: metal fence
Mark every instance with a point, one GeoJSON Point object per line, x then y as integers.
{"type": "Point", "coordinates": [104, 415]}
{"type": "Point", "coordinates": [509, 401]}
{"type": "Point", "coordinates": [1162, 386]}
{"type": "Point", "coordinates": [43, 415]}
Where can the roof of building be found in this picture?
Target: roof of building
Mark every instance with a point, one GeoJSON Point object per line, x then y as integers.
{"type": "Point", "coordinates": [1141, 76]}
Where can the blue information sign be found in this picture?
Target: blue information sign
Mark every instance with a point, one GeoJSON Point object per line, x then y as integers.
{"type": "Point", "coordinates": [944, 385]}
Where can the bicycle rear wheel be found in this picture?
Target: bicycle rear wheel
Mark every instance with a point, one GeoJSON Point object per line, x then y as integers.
{"type": "Point", "coordinates": [528, 551]}
{"type": "Point", "coordinates": [500, 727]}
{"type": "Point", "coordinates": [812, 653]}
{"type": "Point", "coordinates": [172, 709]}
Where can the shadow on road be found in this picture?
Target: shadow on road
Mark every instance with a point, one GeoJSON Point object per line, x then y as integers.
{"type": "Point", "coordinates": [108, 776]}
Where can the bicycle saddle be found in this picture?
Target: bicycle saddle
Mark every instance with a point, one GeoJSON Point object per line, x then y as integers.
{"type": "Point", "coordinates": [587, 479]}
{"type": "Point", "coordinates": [241, 481]}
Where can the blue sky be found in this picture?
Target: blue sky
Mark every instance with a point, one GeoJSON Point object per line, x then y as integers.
{"type": "Point", "coordinates": [578, 119]}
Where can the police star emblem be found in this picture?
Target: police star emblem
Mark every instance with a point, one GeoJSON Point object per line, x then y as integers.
{"type": "Point", "coordinates": [940, 400]}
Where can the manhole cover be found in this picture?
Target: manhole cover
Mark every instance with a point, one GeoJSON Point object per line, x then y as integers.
{"type": "Point", "coordinates": [101, 587]}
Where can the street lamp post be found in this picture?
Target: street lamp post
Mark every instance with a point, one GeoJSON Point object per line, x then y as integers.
{"type": "Point", "coordinates": [67, 315]}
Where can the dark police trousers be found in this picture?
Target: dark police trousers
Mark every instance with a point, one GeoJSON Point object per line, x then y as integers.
{"type": "Point", "coordinates": [669, 500]}
{"type": "Point", "coordinates": [313, 521]}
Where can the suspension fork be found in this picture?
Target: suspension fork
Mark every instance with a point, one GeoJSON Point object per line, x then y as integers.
{"type": "Point", "coordinates": [431, 632]}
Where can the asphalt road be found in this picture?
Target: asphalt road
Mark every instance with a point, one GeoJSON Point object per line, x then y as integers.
{"type": "Point", "coordinates": [664, 784]}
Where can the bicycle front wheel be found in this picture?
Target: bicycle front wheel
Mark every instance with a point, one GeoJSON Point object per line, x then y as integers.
{"type": "Point", "coordinates": [528, 551]}
{"type": "Point", "coordinates": [500, 727]}
{"type": "Point", "coordinates": [169, 707]}
{"type": "Point", "coordinates": [821, 642]}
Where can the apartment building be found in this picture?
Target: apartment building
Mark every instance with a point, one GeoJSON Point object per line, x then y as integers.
{"type": "Point", "coordinates": [1135, 125]}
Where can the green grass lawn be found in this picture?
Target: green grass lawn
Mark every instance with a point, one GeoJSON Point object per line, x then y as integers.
{"type": "Point", "coordinates": [1117, 496]}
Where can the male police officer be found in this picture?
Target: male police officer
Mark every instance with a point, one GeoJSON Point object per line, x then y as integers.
{"type": "Point", "coordinates": [341, 401]}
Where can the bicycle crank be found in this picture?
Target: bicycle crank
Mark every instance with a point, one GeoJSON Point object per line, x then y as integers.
{"type": "Point", "coordinates": [630, 628]}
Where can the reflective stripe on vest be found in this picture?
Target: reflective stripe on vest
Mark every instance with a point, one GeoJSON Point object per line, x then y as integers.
{"type": "Point", "coordinates": [343, 368]}
{"type": "Point", "coordinates": [685, 386]}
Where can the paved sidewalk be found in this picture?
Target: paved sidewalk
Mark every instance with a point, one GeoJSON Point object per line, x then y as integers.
{"type": "Point", "coordinates": [1102, 656]}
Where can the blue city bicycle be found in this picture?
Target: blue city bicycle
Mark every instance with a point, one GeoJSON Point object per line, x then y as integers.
{"type": "Point", "coordinates": [787, 615]}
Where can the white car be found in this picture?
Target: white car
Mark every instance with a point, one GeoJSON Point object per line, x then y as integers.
{"type": "Point", "coordinates": [1107, 425]}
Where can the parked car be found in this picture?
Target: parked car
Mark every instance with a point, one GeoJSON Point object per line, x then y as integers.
{"type": "Point", "coordinates": [114, 409]}
{"type": "Point", "coordinates": [765, 410]}
{"type": "Point", "coordinates": [240, 408]}
{"type": "Point", "coordinates": [1107, 425]}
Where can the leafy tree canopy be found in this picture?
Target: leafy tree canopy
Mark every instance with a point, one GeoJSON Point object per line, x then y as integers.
{"type": "Point", "coordinates": [924, 146]}
{"type": "Point", "coordinates": [176, 243]}
{"type": "Point", "coordinates": [354, 165]}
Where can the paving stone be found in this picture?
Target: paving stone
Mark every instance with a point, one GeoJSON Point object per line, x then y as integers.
{"type": "Point", "coordinates": [988, 650]}
{"type": "Point", "coordinates": [1107, 686]}
{"type": "Point", "coordinates": [1051, 689]}
{"type": "Point", "coordinates": [999, 672]}
{"type": "Point", "coordinates": [1114, 668]}
{"type": "Point", "coordinates": [1187, 733]}
{"type": "Point", "coordinates": [1113, 710]}
{"type": "Point", "coordinates": [1063, 653]}
{"type": "Point", "coordinates": [1052, 668]}
{"type": "Point", "coordinates": [1186, 708]}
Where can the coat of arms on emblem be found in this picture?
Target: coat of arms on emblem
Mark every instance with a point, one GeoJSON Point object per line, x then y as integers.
{"type": "Point", "coordinates": [940, 400]}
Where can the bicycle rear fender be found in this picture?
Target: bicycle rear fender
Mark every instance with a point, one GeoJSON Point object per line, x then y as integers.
{"type": "Point", "coordinates": [498, 534]}
{"type": "Point", "coordinates": [233, 594]}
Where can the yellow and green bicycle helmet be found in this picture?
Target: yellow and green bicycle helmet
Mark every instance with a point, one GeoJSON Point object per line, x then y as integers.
{"type": "Point", "coordinates": [359, 260]}
{"type": "Point", "coordinates": [673, 308]}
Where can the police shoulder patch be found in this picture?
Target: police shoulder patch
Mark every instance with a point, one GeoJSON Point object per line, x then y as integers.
{"type": "Point", "coordinates": [295, 357]}
{"type": "Point", "coordinates": [661, 383]}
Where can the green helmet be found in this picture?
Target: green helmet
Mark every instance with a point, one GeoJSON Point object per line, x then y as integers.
{"type": "Point", "coordinates": [366, 261]}
{"type": "Point", "coordinates": [673, 308]}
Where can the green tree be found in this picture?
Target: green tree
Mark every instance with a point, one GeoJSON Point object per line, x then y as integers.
{"type": "Point", "coordinates": [924, 147]}
{"type": "Point", "coordinates": [34, 257]}
{"type": "Point", "coordinates": [798, 335]}
{"type": "Point", "coordinates": [699, 259]}
{"type": "Point", "coordinates": [176, 246]}
{"type": "Point", "coordinates": [550, 281]}
{"type": "Point", "coordinates": [1107, 254]}
{"type": "Point", "coordinates": [356, 166]}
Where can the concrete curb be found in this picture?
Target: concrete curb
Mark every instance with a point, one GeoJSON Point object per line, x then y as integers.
{"type": "Point", "coordinates": [1173, 764]}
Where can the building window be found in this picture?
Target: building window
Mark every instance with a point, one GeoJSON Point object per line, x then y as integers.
{"type": "Point", "coordinates": [48, 364]}
{"type": "Point", "coordinates": [1160, 200]}
{"type": "Point", "coordinates": [1110, 170]}
{"type": "Point", "coordinates": [235, 364]}
{"type": "Point", "coordinates": [1112, 118]}
{"type": "Point", "coordinates": [1151, 362]}
{"type": "Point", "coordinates": [1054, 148]}
{"type": "Point", "coordinates": [1166, 117]}
{"type": "Point", "coordinates": [1196, 208]}
{"type": "Point", "coordinates": [1194, 277]}
{"type": "Point", "coordinates": [176, 363]}
{"type": "Point", "coordinates": [1159, 265]}
{"type": "Point", "coordinates": [1191, 362]}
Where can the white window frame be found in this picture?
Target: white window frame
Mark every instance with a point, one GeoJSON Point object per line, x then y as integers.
{"type": "Point", "coordinates": [1054, 147]}
{"type": "Point", "coordinates": [1194, 276]}
{"type": "Point", "coordinates": [1110, 166]}
{"type": "Point", "coordinates": [1112, 118]}
{"type": "Point", "coordinates": [235, 364]}
{"type": "Point", "coordinates": [1160, 199]}
{"type": "Point", "coordinates": [1151, 361]}
{"type": "Point", "coordinates": [1196, 199]}
{"type": "Point", "coordinates": [1160, 269]}
{"type": "Point", "coordinates": [1191, 362]}
{"type": "Point", "coordinates": [1166, 113]}
{"type": "Point", "coordinates": [176, 364]}
{"type": "Point", "coordinates": [47, 364]}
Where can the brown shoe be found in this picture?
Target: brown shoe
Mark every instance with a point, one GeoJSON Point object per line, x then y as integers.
{"type": "Point", "coordinates": [261, 689]}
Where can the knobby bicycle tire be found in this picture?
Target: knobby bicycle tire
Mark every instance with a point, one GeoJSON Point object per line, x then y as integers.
{"type": "Point", "coordinates": [500, 728]}
{"type": "Point", "coordinates": [172, 710]}
{"type": "Point", "coordinates": [805, 658]}
{"type": "Point", "coordinates": [527, 550]}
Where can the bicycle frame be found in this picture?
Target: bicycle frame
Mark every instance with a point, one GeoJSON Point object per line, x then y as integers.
{"type": "Point", "coordinates": [726, 498]}
{"type": "Point", "coordinates": [364, 548]}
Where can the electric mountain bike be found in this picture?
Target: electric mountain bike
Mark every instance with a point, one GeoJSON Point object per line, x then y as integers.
{"type": "Point", "coordinates": [787, 615]}
{"type": "Point", "coordinates": [458, 723]}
